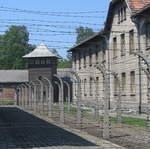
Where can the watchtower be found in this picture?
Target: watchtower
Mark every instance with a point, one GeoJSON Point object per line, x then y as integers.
{"type": "Point", "coordinates": [41, 62]}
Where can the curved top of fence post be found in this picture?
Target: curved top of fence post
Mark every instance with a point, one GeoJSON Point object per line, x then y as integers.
{"type": "Point", "coordinates": [66, 83]}
{"type": "Point", "coordinates": [56, 82]}
{"type": "Point", "coordinates": [59, 78]}
{"type": "Point", "coordinates": [32, 83]}
{"type": "Point", "coordinates": [50, 83]}
{"type": "Point", "coordinates": [143, 57]}
{"type": "Point", "coordinates": [18, 87]}
{"type": "Point", "coordinates": [101, 67]}
{"type": "Point", "coordinates": [40, 82]}
{"type": "Point", "coordinates": [23, 85]}
{"type": "Point", "coordinates": [76, 75]}
{"type": "Point", "coordinates": [27, 85]}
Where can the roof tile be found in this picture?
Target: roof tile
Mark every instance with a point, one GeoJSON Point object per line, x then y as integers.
{"type": "Point", "coordinates": [136, 5]}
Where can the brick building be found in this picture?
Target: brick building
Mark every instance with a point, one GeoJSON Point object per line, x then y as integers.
{"type": "Point", "coordinates": [126, 31]}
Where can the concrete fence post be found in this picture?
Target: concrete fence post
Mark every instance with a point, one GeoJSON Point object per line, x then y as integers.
{"type": "Point", "coordinates": [41, 102]}
{"type": "Point", "coordinates": [106, 117]}
{"type": "Point", "coordinates": [147, 72]}
{"type": "Point", "coordinates": [49, 96]}
{"type": "Point", "coordinates": [62, 98]}
{"type": "Point", "coordinates": [96, 101]}
{"type": "Point", "coordinates": [119, 96]}
{"type": "Point", "coordinates": [78, 98]}
{"type": "Point", "coordinates": [68, 98]}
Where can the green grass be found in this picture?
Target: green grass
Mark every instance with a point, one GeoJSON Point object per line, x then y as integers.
{"type": "Point", "coordinates": [73, 110]}
{"type": "Point", "coordinates": [138, 122]}
{"type": "Point", "coordinates": [6, 103]}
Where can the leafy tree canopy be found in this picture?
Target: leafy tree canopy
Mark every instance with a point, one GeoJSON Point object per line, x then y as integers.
{"type": "Point", "coordinates": [13, 45]}
{"type": "Point", "coordinates": [64, 63]}
{"type": "Point", "coordinates": [83, 33]}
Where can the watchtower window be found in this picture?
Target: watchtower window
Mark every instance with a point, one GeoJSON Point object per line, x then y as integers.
{"type": "Point", "coordinates": [42, 61]}
{"type": "Point", "coordinates": [48, 61]}
{"type": "Point", "coordinates": [37, 61]}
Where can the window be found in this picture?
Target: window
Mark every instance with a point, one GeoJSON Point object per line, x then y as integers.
{"type": "Point", "coordinates": [42, 61]}
{"type": "Point", "coordinates": [84, 57]}
{"type": "Point", "coordinates": [48, 61]}
{"type": "Point", "coordinates": [85, 83]}
{"type": "Point", "coordinates": [148, 35]}
{"type": "Point", "coordinates": [114, 47]}
{"type": "Point", "coordinates": [122, 44]}
{"type": "Point", "coordinates": [131, 41]}
{"type": "Point", "coordinates": [97, 85]}
{"type": "Point", "coordinates": [74, 61]}
{"type": "Point", "coordinates": [124, 11]}
{"type": "Point", "coordinates": [122, 16]}
{"type": "Point", "coordinates": [115, 86]}
{"type": "Point", "coordinates": [96, 56]}
{"type": "Point", "coordinates": [118, 16]}
{"type": "Point", "coordinates": [37, 61]}
{"type": "Point", "coordinates": [103, 55]}
{"type": "Point", "coordinates": [123, 82]}
{"type": "Point", "coordinates": [91, 86]}
{"type": "Point", "coordinates": [132, 82]}
{"type": "Point", "coordinates": [79, 60]}
{"type": "Point", "coordinates": [90, 57]}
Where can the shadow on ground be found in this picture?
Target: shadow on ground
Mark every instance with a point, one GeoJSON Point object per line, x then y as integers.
{"type": "Point", "coordinates": [19, 129]}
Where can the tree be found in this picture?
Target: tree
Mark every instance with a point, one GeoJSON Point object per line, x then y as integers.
{"type": "Point", "coordinates": [13, 45]}
{"type": "Point", "coordinates": [64, 63]}
{"type": "Point", "coordinates": [69, 56]}
{"type": "Point", "coordinates": [83, 33]}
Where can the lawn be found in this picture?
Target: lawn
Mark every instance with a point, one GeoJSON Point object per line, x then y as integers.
{"type": "Point", "coordinates": [6, 103]}
{"type": "Point", "coordinates": [138, 122]}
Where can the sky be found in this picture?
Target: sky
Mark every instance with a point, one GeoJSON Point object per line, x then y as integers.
{"type": "Point", "coordinates": [53, 22]}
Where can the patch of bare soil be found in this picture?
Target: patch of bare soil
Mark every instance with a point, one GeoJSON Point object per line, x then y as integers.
{"type": "Point", "coordinates": [127, 136]}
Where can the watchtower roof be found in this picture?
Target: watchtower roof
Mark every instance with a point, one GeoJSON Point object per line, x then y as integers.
{"type": "Point", "coordinates": [41, 51]}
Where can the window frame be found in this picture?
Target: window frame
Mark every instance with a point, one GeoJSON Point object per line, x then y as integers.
{"type": "Point", "coordinates": [131, 41]}
{"type": "Point", "coordinates": [123, 49]}
{"type": "Point", "coordinates": [123, 83]}
{"type": "Point", "coordinates": [132, 83]}
{"type": "Point", "coordinates": [114, 47]}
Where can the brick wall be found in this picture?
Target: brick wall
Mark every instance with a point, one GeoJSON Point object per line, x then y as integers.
{"type": "Point", "coordinates": [7, 94]}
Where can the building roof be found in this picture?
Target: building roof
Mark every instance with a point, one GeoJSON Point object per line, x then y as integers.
{"type": "Point", "coordinates": [84, 42]}
{"type": "Point", "coordinates": [135, 6]}
{"type": "Point", "coordinates": [13, 76]}
{"type": "Point", "coordinates": [41, 51]}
